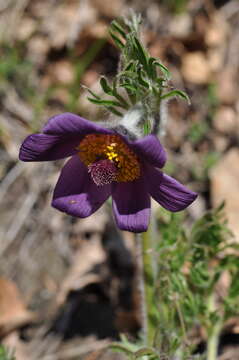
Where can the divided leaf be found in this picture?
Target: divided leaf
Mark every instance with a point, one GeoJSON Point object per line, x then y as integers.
{"type": "Point", "coordinates": [176, 93]}
{"type": "Point", "coordinates": [117, 27]}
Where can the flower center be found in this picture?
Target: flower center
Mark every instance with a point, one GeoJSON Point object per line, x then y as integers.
{"type": "Point", "coordinates": [108, 159]}
{"type": "Point", "coordinates": [103, 172]}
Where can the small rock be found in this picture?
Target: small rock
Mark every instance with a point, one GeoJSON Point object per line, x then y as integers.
{"type": "Point", "coordinates": [90, 77]}
{"type": "Point", "coordinates": [237, 118]}
{"type": "Point", "coordinates": [195, 68]}
{"type": "Point", "coordinates": [108, 8]}
{"type": "Point", "coordinates": [216, 58]}
{"type": "Point", "coordinates": [180, 25]}
{"type": "Point", "coordinates": [38, 47]}
{"type": "Point", "coordinates": [225, 187]}
{"type": "Point", "coordinates": [68, 21]}
{"type": "Point", "coordinates": [63, 72]}
{"type": "Point", "coordinates": [227, 88]}
{"type": "Point", "coordinates": [27, 28]}
{"type": "Point", "coordinates": [225, 120]}
{"type": "Point", "coordinates": [216, 32]}
{"type": "Point", "coordinates": [61, 95]}
{"type": "Point", "coordinates": [98, 31]}
{"type": "Point", "coordinates": [13, 312]}
{"type": "Point", "coordinates": [220, 142]}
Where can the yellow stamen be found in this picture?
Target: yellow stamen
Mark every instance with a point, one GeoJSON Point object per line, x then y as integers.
{"type": "Point", "coordinates": [95, 147]}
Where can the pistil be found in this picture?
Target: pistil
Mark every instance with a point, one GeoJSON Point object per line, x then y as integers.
{"type": "Point", "coordinates": [103, 172]}
{"type": "Point", "coordinates": [108, 158]}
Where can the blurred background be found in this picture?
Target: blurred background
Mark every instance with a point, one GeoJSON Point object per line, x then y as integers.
{"type": "Point", "coordinates": [68, 285]}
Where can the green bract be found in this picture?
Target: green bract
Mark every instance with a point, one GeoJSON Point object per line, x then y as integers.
{"type": "Point", "coordinates": [141, 79]}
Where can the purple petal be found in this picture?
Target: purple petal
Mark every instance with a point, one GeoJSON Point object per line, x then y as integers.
{"type": "Point", "coordinates": [43, 147]}
{"type": "Point", "coordinates": [71, 124]}
{"type": "Point", "coordinates": [167, 191]}
{"type": "Point", "coordinates": [61, 135]}
{"type": "Point", "coordinates": [75, 193]}
{"type": "Point", "coordinates": [131, 205]}
{"type": "Point", "coordinates": [150, 148]}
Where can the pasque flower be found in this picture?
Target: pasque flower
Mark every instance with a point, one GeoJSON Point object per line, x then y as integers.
{"type": "Point", "coordinates": [103, 163]}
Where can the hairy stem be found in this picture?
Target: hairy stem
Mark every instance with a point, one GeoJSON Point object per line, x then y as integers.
{"type": "Point", "coordinates": [213, 338]}
{"type": "Point", "coordinates": [141, 287]}
{"type": "Point", "coordinates": [148, 282]}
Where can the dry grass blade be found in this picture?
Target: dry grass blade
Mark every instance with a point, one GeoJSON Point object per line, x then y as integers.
{"type": "Point", "coordinates": [75, 352]}
{"type": "Point", "coordinates": [9, 179]}
{"type": "Point", "coordinates": [11, 13]}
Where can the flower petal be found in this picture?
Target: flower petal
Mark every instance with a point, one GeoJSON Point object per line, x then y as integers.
{"type": "Point", "coordinates": [43, 147]}
{"type": "Point", "coordinates": [61, 135]}
{"type": "Point", "coordinates": [71, 124]}
{"type": "Point", "coordinates": [150, 148]}
{"type": "Point", "coordinates": [167, 191]}
{"type": "Point", "coordinates": [75, 193]}
{"type": "Point", "coordinates": [131, 205]}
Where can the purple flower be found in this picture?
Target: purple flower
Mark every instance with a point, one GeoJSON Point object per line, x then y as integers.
{"type": "Point", "coordinates": [105, 163]}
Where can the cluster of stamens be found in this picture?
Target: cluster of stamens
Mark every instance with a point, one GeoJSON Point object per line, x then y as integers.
{"type": "Point", "coordinates": [108, 159]}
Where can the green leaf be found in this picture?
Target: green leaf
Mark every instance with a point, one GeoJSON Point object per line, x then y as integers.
{"type": "Point", "coordinates": [128, 74]}
{"type": "Point", "coordinates": [91, 92]}
{"type": "Point", "coordinates": [141, 80]}
{"type": "Point", "coordinates": [114, 111]}
{"type": "Point", "coordinates": [129, 87]}
{"type": "Point", "coordinates": [108, 104]}
{"type": "Point", "coordinates": [131, 66]}
{"type": "Point", "coordinates": [174, 93]}
{"type": "Point", "coordinates": [105, 102]}
{"type": "Point", "coordinates": [117, 41]}
{"type": "Point", "coordinates": [144, 352]}
{"type": "Point", "coordinates": [220, 208]}
{"type": "Point", "coordinates": [121, 348]}
{"type": "Point", "coordinates": [160, 82]}
{"type": "Point", "coordinates": [147, 128]}
{"type": "Point", "coordinates": [200, 276]}
{"type": "Point", "coordinates": [142, 54]}
{"type": "Point", "coordinates": [105, 86]}
{"type": "Point", "coordinates": [163, 68]}
{"type": "Point", "coordinates": [115, 93]}
{"type": "Point", "coordinates": [234, 288]}
{"type": "Point", "coordinates": [151, 68]}
{"type": "Point", "coordinates": [131, 91]}
{"type": "Point", "coordinates": [117, 27]}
